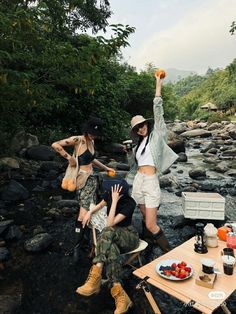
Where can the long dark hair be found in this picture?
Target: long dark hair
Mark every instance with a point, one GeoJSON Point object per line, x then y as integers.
{"type": "Point", "coordinates": [140, 138]}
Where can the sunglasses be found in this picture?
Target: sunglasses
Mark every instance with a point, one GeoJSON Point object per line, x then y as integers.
{"type": "Point", "coordinates": [139, 126]}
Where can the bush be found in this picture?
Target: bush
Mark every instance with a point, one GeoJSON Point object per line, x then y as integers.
{"type": "Point", "coordinates": [217, 117]}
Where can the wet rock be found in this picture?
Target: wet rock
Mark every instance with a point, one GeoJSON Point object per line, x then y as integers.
{"type": "Point", "coordinates": [14, 191]}
{"type": "Point", "coordinates": [182, 157]}
{"type": "Point", "coordinates": [165, 181]}
{"type": "Point", "coordinates": [4, 255]}
{"type": "Point", "coordinates": [38, 243]}
{"type": "Point", "coordinates": [197, 173]}
{"type": "Point", "coordinates": [229, 152]}
{"type": "Point", "coordinates": [177, 144]}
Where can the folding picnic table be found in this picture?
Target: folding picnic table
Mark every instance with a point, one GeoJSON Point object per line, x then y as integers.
{"type": "Point", "coordinates": [187, 290]}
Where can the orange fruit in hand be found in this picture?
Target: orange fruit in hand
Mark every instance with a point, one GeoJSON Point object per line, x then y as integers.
{"type": "Point", "coordinates": [111, 173]}
{"type": "Point", "coordinates": [161, 73]}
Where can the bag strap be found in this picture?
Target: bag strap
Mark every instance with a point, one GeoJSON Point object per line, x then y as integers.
{"type": "Point", "coordinates": [76, 149]}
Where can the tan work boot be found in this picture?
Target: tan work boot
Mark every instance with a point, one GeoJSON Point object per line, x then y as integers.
{"type": "Point", "coordinates": [93, 282]}
{"type": "Point", "coordinates": [122, 300]}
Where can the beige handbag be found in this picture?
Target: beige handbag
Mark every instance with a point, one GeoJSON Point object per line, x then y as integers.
{"type": "Point", "coordinates": [74, 179]}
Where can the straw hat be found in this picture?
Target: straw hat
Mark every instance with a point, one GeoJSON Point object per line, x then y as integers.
{"type": "Point", "coordinates": [138, 120]}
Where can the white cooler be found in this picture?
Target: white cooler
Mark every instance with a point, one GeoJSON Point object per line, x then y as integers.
{"type": "Point", "coordinates": [197, 205]}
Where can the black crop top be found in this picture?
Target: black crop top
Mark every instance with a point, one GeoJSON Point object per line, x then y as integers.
{"type": "Point", "coordinates": [86, 158]}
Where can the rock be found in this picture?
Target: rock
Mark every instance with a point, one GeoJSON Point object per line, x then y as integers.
{"type": "Point", "coordinates": [214, 126]}
{"type": "Point", "coordinates": [178, 145]}
{"type": "Point", "coordinates": [179, 128]}
{"type": "Point", "coordinates": [221, 167]}
{"type": "Point", "coordinates": [229, 152]}
{"type": "Point", "coordinates": [67, 203]}
{"type": "Point", "coordinates": [50, 165]}
{"type": "Point", "coordinates": [231, 173]}
{"type": "Point", "coordinates": [9, 163]}
{"type": "Point", "coordinates": [232, 134]}
{"type": "Point", "coordinates": [14, 233]}
{"type": "Point", "coordinates": [196, 132]}
{"type": "Point", "coordinates": [165, 182]}
{"type": "Point", "coordinates": [4, 225]}
{"type": "Point", "coordinates": [114, 148]}
{"type": "Point", "coordinates": [41, 152]}
{"type": "Point", "coordinates": [182, 157]}
{"type": "Point", "coordinates": [122, 166]}
{"type": "Point", "coordinates": [197, 173]}
{"type": "Point", "coordinates": [38, 243]}
{"type": "Point", "coordinates": [14, 191]}
{"type": "Point", "coordinates": [4, 254]}
{"type": "Point", "coordinates": [23, 140]}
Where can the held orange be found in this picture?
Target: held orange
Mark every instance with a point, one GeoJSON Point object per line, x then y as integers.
{"type": "Point", "coordinates": [161, 73]}
{"type": "Point", "coordinates": [111, 173]}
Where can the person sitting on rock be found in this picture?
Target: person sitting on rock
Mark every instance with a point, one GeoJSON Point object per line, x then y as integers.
{"type": "Point", "coordinates": [118, 237]}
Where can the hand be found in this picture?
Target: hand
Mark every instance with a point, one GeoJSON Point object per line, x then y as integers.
{"type": "Point", "coordinates": [111, 172]}
{"type": "Point", "coordinates": [86, 219]}
{"type": "Point", "coordinates": [115, 193]}
{"type": "Point", "coordinates": [72, 162]}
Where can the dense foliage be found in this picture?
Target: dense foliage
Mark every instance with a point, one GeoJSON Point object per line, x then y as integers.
{"type": "Point", "coordinates": [53, 75]}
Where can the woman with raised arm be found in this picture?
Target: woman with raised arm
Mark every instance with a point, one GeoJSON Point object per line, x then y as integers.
{"type": "Point", "coordinates": [149, 159]}
{"type": "Point", "coordinates": [84, 145]}
{"type": "Point", "coordinates": [119, 236]}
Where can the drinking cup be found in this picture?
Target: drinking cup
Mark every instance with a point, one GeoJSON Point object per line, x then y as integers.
{"type": "Point", "coordinates": [128, 145]}
{"type": "Point", "coordinates": [208, 265]}
{"type": "Point", "coordinates": [228, 264]}
{"type": "Point", "coordinates": [228, 251]}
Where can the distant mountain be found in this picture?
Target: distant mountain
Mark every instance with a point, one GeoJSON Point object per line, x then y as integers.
{"type": "Point", "coordinates": [174, 75]}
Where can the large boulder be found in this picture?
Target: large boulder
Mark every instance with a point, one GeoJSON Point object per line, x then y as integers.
{"type": "Point", "coordinates": [196, 132]}
{"type": "Point", "coordinates": [14, 191]}
{"type": "Point", "coordinates": [41, 152]}
{"type": "Point", "coordinates": [23, 140]}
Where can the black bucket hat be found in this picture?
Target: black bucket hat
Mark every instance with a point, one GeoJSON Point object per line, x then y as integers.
{"type": "Point", "coordinates": [108, 184]}
{"type": "Point", "coordinates": [93, 126]}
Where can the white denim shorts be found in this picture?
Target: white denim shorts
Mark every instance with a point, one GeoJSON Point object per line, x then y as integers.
{"type": "Point", "coordinates": [146, 190]}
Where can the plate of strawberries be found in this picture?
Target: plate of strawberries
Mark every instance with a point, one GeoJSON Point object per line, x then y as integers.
{"type": "Point", "coordinates": [174, 269]}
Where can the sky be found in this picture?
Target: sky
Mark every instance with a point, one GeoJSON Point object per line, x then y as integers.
{"type": "Point", "coordinates": [183, 34]}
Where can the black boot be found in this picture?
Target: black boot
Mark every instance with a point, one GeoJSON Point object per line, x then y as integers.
{"type": "Point", "coordinates": [160, 239]}
{"type": "Point", "coordinates": [148, 237]}
{"type": "Point", "coordinates": [79, 240]}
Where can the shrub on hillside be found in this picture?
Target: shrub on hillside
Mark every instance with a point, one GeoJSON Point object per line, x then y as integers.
{"type": "Point", "coordinates": [217, 117]}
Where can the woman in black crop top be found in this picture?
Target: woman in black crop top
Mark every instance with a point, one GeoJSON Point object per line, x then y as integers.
{"type": "Point", "coordinates": [86, 158]}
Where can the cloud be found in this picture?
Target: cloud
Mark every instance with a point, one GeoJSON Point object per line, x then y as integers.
{"type": "Point", "coordinates": [199, 40]}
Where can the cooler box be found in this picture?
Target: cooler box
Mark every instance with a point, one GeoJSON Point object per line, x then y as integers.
{"type": "Point", "coordinates": [198, 205]}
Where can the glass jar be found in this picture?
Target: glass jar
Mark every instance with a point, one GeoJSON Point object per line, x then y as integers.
{"type": "Point", "coordinates": [231, 240]}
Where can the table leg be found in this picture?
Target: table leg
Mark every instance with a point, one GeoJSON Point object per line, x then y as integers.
{"type": "Point", "coordinates": [225, 308]}
{"type": "Point", "coordinates": [144, 286]}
